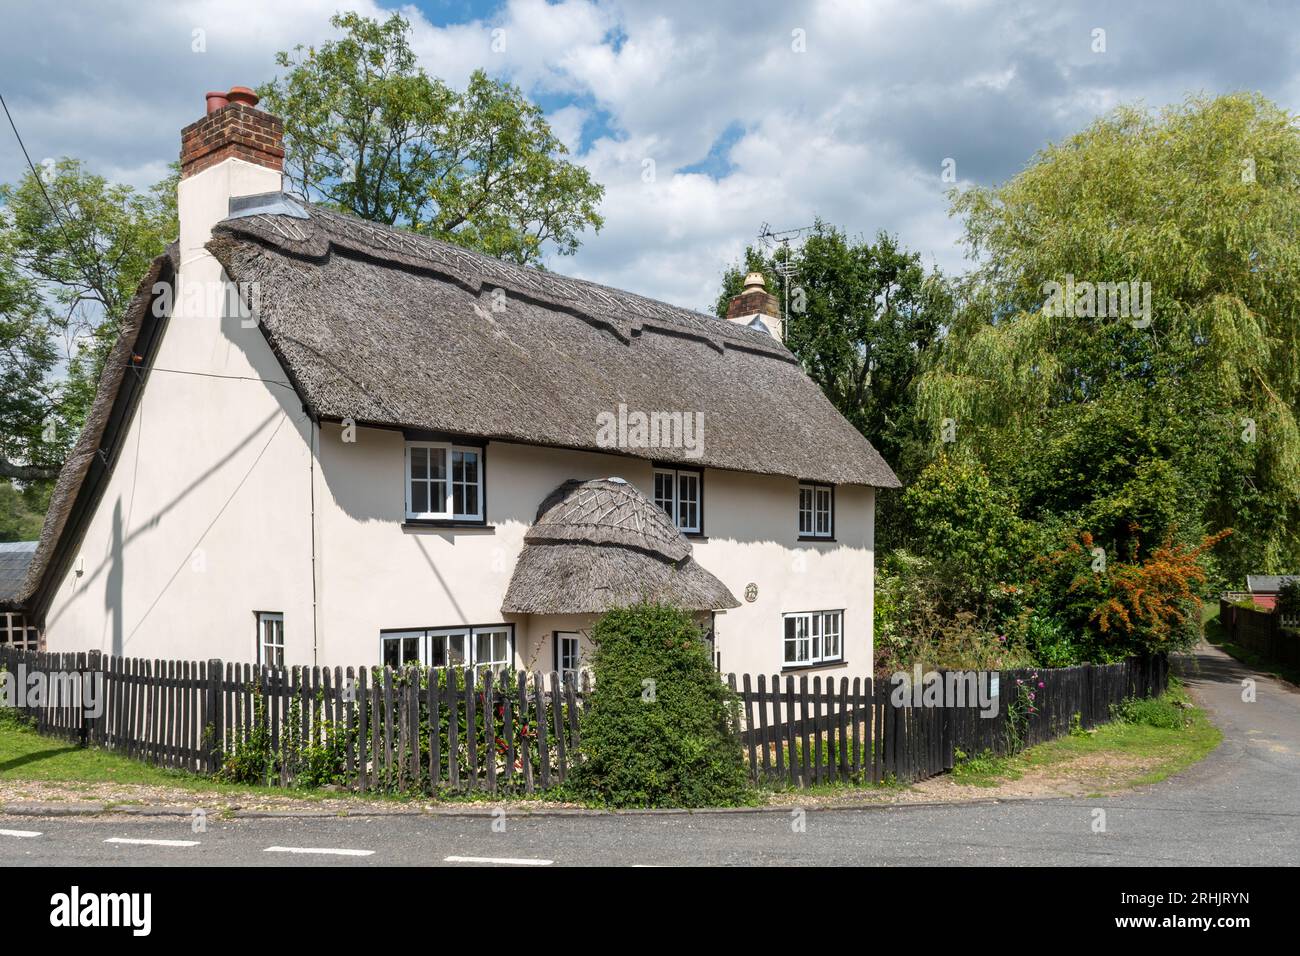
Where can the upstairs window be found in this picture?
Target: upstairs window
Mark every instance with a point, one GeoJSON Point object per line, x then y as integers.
{"type": "Point", "coordinates": [444, 482]}
{"type": "Point", "coordinates": [816, 511]}
{"type": "Point", "coordinates": [680, 492]}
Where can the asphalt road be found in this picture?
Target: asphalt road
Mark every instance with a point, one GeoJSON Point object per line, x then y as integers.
{"type": "Point", "coordinates": [1240, 806]}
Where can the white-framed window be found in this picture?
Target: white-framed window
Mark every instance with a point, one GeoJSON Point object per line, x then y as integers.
{"type": "Point", "coordinates": [15, 632]}
{"type": "Point", "coordinates": [680, 492]}
{"type": "Point", "coordinates": [487, 647]}
{"type": "Point", "coordinates": [813, 637]}
{"type": "Point", "coordinates": [270, 638]}
{"type": "Point", "coordinates": [443, 481]}
{"type": "Point", "coordinates": [566, 653]}
{"type": "Point", "coordinates": [816, 511]}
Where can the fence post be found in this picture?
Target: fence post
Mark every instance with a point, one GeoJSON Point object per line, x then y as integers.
{"type": "Point", "coordinates": [212, 724]}
{"type": "Point", "coordinates": [94, 670]}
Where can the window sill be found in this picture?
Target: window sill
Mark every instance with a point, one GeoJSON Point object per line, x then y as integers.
{"type": "Point", "coordinates": [825, 539]}
{"type": "Point", "coordinates": [418, 524]}
{"type": "Point", "coordinates": [795, 668]}
{"type": "Point", "coordinates": [695, 535]}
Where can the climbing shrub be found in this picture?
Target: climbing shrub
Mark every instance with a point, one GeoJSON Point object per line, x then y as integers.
{"type": "Point", "coordinates": [661, 731]}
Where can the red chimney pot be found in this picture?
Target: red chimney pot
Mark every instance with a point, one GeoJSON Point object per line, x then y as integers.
{"type": "Point", "coordinates": [242, 94]}
{"type": "Point", "coordinates": [216, 100]}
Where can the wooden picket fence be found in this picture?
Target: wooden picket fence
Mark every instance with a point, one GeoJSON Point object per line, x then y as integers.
{"type": "Point", "coordinates": [367, 728]}
{"type": "Point", "coordinates": [810, 732]}
{"type": "Point", "coordinates": [379, 729]}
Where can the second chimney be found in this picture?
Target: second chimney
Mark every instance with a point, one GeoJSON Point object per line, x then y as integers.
{"type": "Point", "coordinates": [235, 130]}
{"type": "Point", "coordinates": [757, 308]}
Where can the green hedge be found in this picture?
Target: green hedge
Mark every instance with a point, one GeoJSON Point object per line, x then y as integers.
{"type": "Point", "coordinates": [661, 731]}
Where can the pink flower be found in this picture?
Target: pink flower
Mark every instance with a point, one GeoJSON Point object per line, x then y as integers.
{"type": "Point", "coordinates": [1031, 695]}
{"type": "Point", "coordinates": [1041, 684]}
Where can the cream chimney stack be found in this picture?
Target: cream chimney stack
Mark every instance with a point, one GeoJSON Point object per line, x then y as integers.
{"type": "Point", "coordinates": [757, 308]}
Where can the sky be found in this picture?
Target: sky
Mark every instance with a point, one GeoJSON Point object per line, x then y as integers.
{"type": "Point", "coordinates": [752, 112]}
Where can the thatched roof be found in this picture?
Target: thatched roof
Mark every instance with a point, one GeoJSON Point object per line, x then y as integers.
{"type": "Point", "coordinates": [384, 327]}
{"type": "Point", "coordinates": [79, 484]}
{"type": "Point", "coordinates": [15, 557]}
{"type": "Point", "coordinates": [387, 328]}
{"type": "Point", "coordinates": [602, 544]}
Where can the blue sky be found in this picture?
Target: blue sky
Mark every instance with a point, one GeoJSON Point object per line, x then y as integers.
{"type": "Point", "coordinates": [752, 112]}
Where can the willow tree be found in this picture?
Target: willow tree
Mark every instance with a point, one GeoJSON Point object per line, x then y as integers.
{"type": "Point", "coordinates": [1127, 346]}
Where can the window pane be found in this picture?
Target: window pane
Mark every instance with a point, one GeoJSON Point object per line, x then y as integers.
{"type": "Point", "coordinates": [419, 463]}
{"type": "Point", "coordinates": [419, 497]}
{"type": "Point", "coordinates": [469, 466]}
{"type": "Point", "coordinates": [392, 657]}
{"type": "Point", "coordinates": [456, 650]}
{"type": "Point", "coordinates": [471, 500]}
{"type": "Point", "coordinates": [688, 501]}
{"type": "Point", "coordinates": [500, 651]}
{"type": "Point", "coordinates": [664, 491]}
{"type": "Point", "coordinates": [438, 480]}
{"type": "Point", "coordinates": [484, 649]}
{"type": "Point", "coordinates": [438, 651]}
{"type": "Point", "coordinates": [458, 498]}
{"type": "Point", "coordinates": [411, 650]}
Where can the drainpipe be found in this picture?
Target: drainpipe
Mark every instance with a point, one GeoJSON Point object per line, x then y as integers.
{"type": "Point", "coordinates": [314, 444]}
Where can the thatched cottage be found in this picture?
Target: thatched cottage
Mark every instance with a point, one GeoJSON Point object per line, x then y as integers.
{"type": "Point", "coordinates": [322, 440]}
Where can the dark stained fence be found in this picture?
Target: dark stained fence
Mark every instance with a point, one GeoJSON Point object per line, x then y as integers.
{"type": "Point", "coordinates": [372, 729]}
{"type": "Point", "coordinates": [807, 731]}
{"type": "Point", "coordinates": [1262, 631]}
{"type": "Point", "coordinates": [415, 730]}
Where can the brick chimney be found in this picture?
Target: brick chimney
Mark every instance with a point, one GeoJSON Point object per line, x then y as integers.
{"type": "Point", "coordinates": [236, 129]}
{"type": "Point", "coordinates": [234, 150]}
{"type": "Point", "coordinates": [755, 305]}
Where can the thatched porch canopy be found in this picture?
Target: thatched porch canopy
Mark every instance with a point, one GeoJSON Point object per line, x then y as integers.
{"type": "Point", "coordinates": [602, 544]}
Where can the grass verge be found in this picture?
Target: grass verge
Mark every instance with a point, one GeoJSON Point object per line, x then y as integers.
{"type": "Point", "coordinates": [28, 757]}
{"type": "Point", "coordinates": [1152, 739]}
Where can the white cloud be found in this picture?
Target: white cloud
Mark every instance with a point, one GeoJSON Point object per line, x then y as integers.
{"type": "Point", "coordinates": [852, 130]}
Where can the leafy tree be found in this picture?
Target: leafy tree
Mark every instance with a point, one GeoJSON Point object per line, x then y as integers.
{"type": "Point", "coordinates": [966, 523]}
{"type": "Point", "coordinates": [65, 283]}
{"type": "Point", "coordinates": [27, 359]}
{"type": "Point", "coordinates": [369, 132]}
{"type": "Point", "coordinates": [22, 510]}
{"type": "Point", "coordinates": [1201, 202]}
{"type": "Point", "coordinates": [863, 317]}
{"type": "Point", "coordinates": [660, 732]}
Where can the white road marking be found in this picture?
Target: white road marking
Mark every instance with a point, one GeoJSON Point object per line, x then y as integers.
{"type": "Point", "coordinates": [505, 860]}
{"type": "Point", "coordinates": [132, 842]}
{"type": "Point", "coordinates": [20, 834]}
{"type": "Point", "coordinates": [325, 850]}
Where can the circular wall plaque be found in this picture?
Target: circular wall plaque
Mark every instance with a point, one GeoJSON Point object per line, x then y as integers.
{"type": "Point", "coordinates": [751, 593]}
